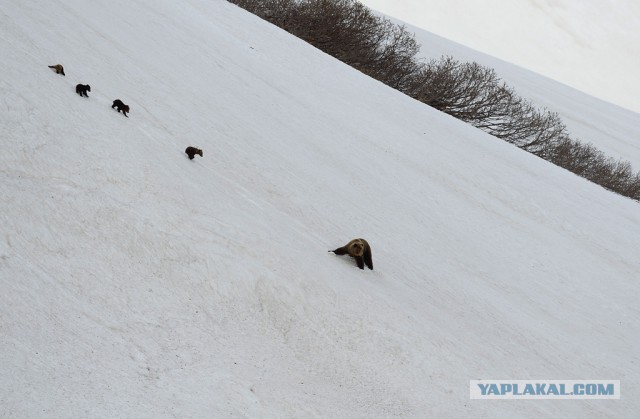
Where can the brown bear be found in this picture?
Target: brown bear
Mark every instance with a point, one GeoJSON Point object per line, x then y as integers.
{"type": "Point", "coordinates": [59, 68]}
{"type": "Point", "coordinates": [192, 151]}
{"type": "Point", "coordinates": [82, 89]}
{"type": "Point", "coordinates": [358, 249]}
{"type": "Point", "coordinates": [121, 106]}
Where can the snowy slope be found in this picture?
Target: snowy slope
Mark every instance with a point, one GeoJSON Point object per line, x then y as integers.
{"type": "Point", "coordinates": [137, 283]}
{"type": "Point", "coordinates": [592, 45]}
{"type": "Point", "coordinates": [614, 130]}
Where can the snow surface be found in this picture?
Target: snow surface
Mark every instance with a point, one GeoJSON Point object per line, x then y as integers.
{"type": "Point", "coordinates": [137, 283]}
{"type": "Point", "coordinates": [592, 45]}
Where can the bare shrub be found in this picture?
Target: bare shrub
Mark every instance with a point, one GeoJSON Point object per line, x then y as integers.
{"type": "Point", "coordinates": [466, 91]}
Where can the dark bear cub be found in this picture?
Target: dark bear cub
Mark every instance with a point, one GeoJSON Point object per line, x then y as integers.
{"type": "Point", "coordinates": [120, 106]}
{"type": "Point", "coordinates": [192, 151]}
{"type": "Point", "coordinates": [59, 69]}
{"type": "Point", "coordinates": [82, 89]}
{"type": "Point", "coordinates": [359, 250]}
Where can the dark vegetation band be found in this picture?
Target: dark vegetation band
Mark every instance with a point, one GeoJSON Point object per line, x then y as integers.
{"type": "Point", "coordinates": [352, 33]}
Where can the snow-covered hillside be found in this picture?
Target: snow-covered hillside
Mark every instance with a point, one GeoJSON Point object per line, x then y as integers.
{"type": "Point", "coordinates": [614, 130]}
{"type": "Point", "coordinates": [137, 283]}
{"type": "Point", "coordinates": [592, 45]}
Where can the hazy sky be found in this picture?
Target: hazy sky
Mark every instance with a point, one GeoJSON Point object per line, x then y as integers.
{"type": "Point", "coordinates": [592, 45]}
